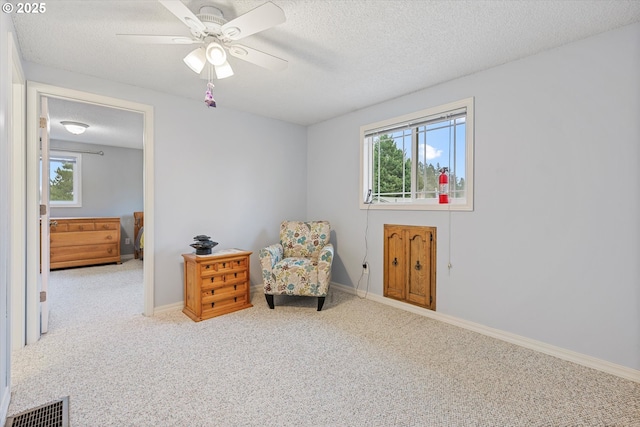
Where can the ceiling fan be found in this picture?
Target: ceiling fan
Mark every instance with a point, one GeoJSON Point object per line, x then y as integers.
{"type": "Point", "coordinates": [216, 36]}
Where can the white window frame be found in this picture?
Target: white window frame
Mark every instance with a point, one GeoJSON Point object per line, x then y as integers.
{"type": "Point", "coordinates": [366, 159]}
{"type": "Point", "coordinates": [77, 179]}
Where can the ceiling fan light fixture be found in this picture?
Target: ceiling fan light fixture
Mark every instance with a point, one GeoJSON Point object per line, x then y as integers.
{"type": "Point", "coordinates": [216, 54]}
{"type": "Point", "coordinates": [223, 70]}
{"type": "Point", "coordinates": [75, 128]}
{"type": "Point", "coordinates": [196, 60]}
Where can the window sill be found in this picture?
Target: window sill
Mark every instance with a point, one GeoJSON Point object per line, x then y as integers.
{"type": "Point", "coordinates": [458, 207]}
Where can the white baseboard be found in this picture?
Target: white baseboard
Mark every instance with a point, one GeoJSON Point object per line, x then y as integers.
{"type": "Point", "coordinates": [169, 307]}
{"type": "Point", "coordinates": [559, 352]}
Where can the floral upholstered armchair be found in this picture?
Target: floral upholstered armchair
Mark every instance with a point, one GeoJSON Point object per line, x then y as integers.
{"type": "Point", "coordinates": [301, 263]}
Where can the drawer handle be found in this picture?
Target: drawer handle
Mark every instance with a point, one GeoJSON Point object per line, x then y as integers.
{"type": "Point", "coordinates": [206, 267]}
{"type": "Point", "coordinates": [235, 287]}
{"type": "Point", "coordinates": [109, 237]}
{"type": "Point", "coordinates": [418, 266]}
{"type": "Point", "coordinates": [109, 250]}
{"type": "Point", "coordinates": [395, 261]}
{"type": "Point", "coordinates": [212, 280]}
{"type": "Point", "coordinates": [212, 291]}
{"type": "Point", "coordinates": [235, 274]}
{"type": "Point", "coordinates": [212, 304]}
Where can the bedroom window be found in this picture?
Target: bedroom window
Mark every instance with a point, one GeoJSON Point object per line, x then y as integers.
{"type": "Point", "coordinates": [402, 159]}
{"type": "Point", "coordinates": [65, 179]}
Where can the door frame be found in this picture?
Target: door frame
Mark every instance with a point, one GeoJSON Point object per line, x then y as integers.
{"type": "Point", "coordinates": [12, 247]}
{"type": "Point", "coordinates": [18, 203]}
{"type": "Point", "coordinates": [34, 91]}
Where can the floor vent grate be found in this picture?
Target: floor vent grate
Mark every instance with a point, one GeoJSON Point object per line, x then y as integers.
{"type": "Point", "coordinates": [53, 414]}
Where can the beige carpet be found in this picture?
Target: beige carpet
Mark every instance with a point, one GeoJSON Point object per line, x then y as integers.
{"type": "Point", "coordinates": [356, 363]}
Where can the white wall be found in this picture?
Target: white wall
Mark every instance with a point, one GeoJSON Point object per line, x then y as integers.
{"type": "Point", "coordinates": [231, 175]}
{"type": "Point", "coordinates": [551, 251]}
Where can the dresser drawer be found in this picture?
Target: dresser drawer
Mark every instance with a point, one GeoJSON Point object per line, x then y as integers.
{"type": "Point", "coordinates": [79, 238]}
{"type": "Point", "coordinates": [71, 253]}
{"type": "Point", "coordinates": [58, 227]}
{"type": "Point", "coordinates": [82, 226]}
{"type": "Point", "coordinates": [101, 226]}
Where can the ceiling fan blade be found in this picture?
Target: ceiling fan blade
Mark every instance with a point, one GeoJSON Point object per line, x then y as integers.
{"type": "Point", "coordinates": [183, 13]}
{"type": "Point", "coordinates": [149, 39]}
{"type": "Point", "coordinates": [262, 17]}
{"type": "Point", "coordinates": [257, 57]}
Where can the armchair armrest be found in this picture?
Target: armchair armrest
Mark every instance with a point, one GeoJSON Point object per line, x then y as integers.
{"type": "Point", "coordinates": [269, 256]}
{"type": "Point", "coordinates": [325, 259]}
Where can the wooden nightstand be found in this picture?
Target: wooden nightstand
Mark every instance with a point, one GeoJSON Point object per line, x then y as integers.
{"type": "Point", "coordinates": [216, 284]}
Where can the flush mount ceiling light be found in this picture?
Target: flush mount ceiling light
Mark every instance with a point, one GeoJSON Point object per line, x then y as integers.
{"type": "Point", "coordinates": [75, 128]}
{"type": "Point", "coordinates": [196, 60]}
{"type": "Point", "coordinates": [216, 54]}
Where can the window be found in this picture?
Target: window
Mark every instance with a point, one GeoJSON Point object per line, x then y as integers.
{"type": "Point", "coordinates": [65, 179]}
{"type": "Point", "coordinates": [402, 159]}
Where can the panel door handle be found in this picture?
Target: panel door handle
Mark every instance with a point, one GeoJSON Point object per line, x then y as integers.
{"type": "Point", "coordinates": [418, 266]}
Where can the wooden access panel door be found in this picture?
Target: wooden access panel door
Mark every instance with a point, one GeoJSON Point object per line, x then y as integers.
{"type": "Point", "coordinates": [394, 265]}
{"type": "Point", "coordinates": [410, 264]}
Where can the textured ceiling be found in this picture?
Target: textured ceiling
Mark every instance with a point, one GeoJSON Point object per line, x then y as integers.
{"type": "Point", "coordinates": [343, 55]}
{"type": "Point", "coordinates": [107, 126]}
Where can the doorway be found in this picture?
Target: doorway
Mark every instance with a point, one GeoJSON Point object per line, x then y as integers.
{"type": "Point", "coordinates": [35, 91]}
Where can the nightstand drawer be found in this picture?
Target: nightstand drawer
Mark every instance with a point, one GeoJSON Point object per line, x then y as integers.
{"type": "Point", "coordinates": [221, 280]}
{"type": "Point", "coordinates": [212, 267]}
{"type": "Point", "coordinates": [223, 307]}
{"type": "Point", "coordinates": [235, 292]}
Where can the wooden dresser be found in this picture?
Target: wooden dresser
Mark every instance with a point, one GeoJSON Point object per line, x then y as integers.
{"type": "Point", "coordinates": [84, 241]}
{"type": "Point", "coordinates": [216, 284]}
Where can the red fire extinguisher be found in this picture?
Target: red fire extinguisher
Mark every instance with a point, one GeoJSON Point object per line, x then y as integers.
{"type": "Point", "coordinates": [443, 181]}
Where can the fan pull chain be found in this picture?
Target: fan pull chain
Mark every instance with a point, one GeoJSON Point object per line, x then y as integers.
{"type": "Point", "coordinates": [208, 95]}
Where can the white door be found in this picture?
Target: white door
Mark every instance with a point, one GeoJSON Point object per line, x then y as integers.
{"type": "Point", "coordinates": [44, 215]}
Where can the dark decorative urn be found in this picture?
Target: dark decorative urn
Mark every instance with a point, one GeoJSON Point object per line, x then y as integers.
{"type": "Point", "coordinates": [203, 244]}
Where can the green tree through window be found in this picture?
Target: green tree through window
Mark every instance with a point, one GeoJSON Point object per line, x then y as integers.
{"type": "Point", "coordinates": [391, 169]}
{"type": "Point", "coordinates": [61, 186]}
